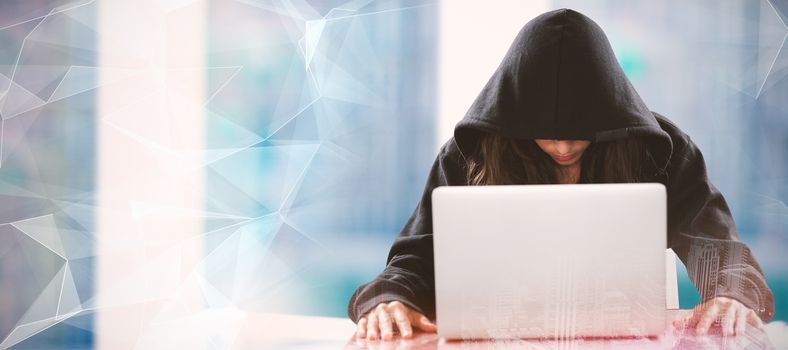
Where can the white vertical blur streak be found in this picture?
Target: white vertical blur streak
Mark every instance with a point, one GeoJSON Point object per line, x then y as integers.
{"type": "Point", "coordinates": [150, 181]}
{"type": "Point", "coordinates": [671, 280]}
{"type": "Point", "coordinates": [474, 38]}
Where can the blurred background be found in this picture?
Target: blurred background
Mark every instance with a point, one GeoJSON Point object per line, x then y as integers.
{"type": "Point", "coordinates": [159, 157]}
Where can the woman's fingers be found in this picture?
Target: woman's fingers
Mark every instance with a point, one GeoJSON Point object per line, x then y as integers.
{"type": "Point", "coordinates": [381, 321]}
{"type": "Point", "coordinates": [384, 320]}
{"type": "Point", "coordinates": [732, 316]}
{"type": "Point", "coordinates": [728, 319]}
{"type": "Point", "coordinates": [361, 328]}
{"type": "Point", "coordinates": [372, 326]}
{"type": "Point", "coordinates": [707, 317]}
{"type": "Point", "coordinates": [741, 321]}
{"type": "Point", "coordinates": [753, 319]}
{"type": "Point", "coordinates": [400, 314]}
{"type": "Point", "coordinates": [423, 323]}
{"type": "Point", "coordinates": [694, 317]}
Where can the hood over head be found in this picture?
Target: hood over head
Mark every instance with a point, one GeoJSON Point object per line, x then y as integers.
{"type": "Point", "coordinates": [560, 80]}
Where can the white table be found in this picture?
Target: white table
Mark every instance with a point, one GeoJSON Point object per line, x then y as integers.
{"type": "Point", "coordinates": [275, 331]}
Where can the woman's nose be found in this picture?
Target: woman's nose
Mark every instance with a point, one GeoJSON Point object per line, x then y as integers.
{"type": "Point", "coordinates": [563, 147]}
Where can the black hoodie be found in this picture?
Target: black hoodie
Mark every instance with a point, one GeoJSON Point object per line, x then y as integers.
{"type": "Point", "coordinates": [561, 80]}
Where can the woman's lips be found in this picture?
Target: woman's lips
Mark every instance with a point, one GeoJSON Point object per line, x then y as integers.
{"type": "Point", "coordinates": [564, 158]}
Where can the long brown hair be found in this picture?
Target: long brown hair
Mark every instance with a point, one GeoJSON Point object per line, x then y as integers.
{"type": "Point", "coordinates": [500, 160]}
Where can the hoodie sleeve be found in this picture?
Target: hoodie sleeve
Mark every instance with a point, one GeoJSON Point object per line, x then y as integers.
{"type": "Point", "coordinates": [702, 233]}
{"type": "Point", "coordinates": [409, 273]}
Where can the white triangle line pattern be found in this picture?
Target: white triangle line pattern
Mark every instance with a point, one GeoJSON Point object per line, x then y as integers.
{"type": "Point", "coordinates": [772, 65]}
{"type": "Point", "coordinates": [52, 12]}
{"type": "Point", "coordinates": [37, 241]}
{"type": "Point", "coordinates": [776, 13]}
{"type": "Point", "coordinates": [221, 87]}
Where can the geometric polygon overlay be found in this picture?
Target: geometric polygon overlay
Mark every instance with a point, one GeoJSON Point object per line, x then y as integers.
{"type": "Point", "coordinates": [305, 152]}
{"type": "Point", "coordinates": [743, 45]}
{"type": "Point", "coordinates": [346, 120]}
{"type": "Point", "coordinates": [36, 287]}
{"type": "Point", "coordinates": [270, 173]}
{"type": "Point", "coordinates": [770, 26]}
{"type": "Point", "coordinates": [47, 86]}
{"type": "Point", "coordinates": [256, 259]}
{"type": "Point", "coordinates": [758, 46]}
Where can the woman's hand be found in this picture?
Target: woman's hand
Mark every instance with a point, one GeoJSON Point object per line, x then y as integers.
{"type": "Point", "coordinates": [732, 316]}
{"type": "Point", "coordinates": [382, 320]}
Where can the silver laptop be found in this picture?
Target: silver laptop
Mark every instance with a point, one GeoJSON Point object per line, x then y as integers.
{"type": "Point", "coordinates": [550, 261]}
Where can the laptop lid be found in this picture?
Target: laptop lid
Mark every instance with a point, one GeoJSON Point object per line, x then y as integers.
{"type": "Point", "coordinates": [550, 261]}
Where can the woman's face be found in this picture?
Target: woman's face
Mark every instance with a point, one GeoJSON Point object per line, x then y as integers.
{"type": "Point", "coordinates": [564, 152]}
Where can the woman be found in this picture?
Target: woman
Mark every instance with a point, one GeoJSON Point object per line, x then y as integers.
{"type": "Point", "coordinates": [559, 109]}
